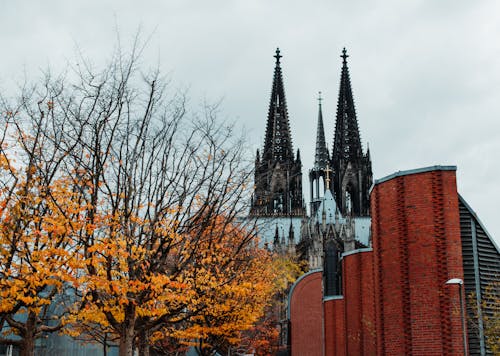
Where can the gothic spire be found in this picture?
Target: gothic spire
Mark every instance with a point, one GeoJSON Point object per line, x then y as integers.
{"type": "Point", "coordinates": [321, 156]}
{"type": "Point", "coordinates": [347, 142]}
{"type": "Point", "coordinates": [278, 141]}
{"type": "Point", "coordinates": [352, 169]}
{"type": "Point", "coordinates": [278, 176]}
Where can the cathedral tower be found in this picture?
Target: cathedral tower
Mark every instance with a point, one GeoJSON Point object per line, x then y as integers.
{"type": "Point", "coordinates": [278, 174]}
{"type": "Point", "coordinates": [352, 168]}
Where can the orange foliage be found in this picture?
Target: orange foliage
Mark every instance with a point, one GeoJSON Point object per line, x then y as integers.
{"type": "Point", "coordinates": [213, 284]}
{"type": "Point", "coordinates": [39, 220]}
{"type": "Point", "coordinates": [230, 285]}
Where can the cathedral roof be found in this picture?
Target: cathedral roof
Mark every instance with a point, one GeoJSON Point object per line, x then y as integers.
{"type": "Point", "coordinates": [278, 141]}
{"type": "Point", "coordinates": [329, 206]}
{"type": "Point", "coordinates": [268, 228]}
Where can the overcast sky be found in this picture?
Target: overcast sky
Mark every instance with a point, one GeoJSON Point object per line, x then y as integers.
{"type": "Point", "coordinates": [425, 74]}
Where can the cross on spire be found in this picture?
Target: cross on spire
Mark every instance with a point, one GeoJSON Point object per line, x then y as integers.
{"type": "Point", "coordinates": [328, 170]}
{"type": "Point", "coordinates": [277, 56]}
{"type": "Point", "coordinates": [344, 55]}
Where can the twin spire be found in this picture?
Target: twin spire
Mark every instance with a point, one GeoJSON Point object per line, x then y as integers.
{"type": "Point", "coordinates": [278, 141]}
{"type": "Point", "coordinates": [347, 142]}
{"type": "Point", "coordinates": [278, 174]}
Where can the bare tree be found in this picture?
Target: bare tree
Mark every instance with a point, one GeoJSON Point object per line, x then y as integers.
{"type": "Point", "coordinates": [138, 199]}
{"type": "Point", "coordinates": [36, 224]}
{"type": "Point", "coordinates": [156, 181]}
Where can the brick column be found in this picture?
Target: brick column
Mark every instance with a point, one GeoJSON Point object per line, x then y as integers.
{"type": "Point", "coordinates": [417, 248]}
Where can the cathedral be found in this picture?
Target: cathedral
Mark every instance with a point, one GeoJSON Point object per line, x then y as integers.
{"type": "Point", "coordinates": [339, 182]}
{"type": "Point", "coordinates": [397, 265]}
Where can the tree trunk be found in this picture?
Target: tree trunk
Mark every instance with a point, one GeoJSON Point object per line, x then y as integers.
{"type": "Point", "coordinates": [28, 337]}
{"type": "Point", "coordinates": [127, 342]}
{"type": "Point", "coordinates": [126, 347]}
{"type": "Point", "coordinates": [28, 345]}
{"type": "Point", "coordinates": [143, 343]}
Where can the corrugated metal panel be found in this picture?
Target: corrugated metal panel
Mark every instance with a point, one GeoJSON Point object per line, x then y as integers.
{"type": "Point", "coordinates": [481, 263]}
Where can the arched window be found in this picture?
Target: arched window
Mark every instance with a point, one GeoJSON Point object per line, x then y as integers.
{"type": "Point", "coordinates": [278, 202]}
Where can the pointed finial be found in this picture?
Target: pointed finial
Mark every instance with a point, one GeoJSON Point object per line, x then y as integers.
{"type": "Point", "coordinates": [277, 56]}
{"type": "Point", "coordinates": [344, 56]}
{"type": "Point", "coordinates": [320, 99]}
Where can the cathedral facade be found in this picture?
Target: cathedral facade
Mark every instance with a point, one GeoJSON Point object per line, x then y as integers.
{"type": "Point", "coordinates": [339, 182]}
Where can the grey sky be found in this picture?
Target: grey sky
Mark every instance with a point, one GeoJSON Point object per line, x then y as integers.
{"type": "Point", "coordinates": [425, 74]}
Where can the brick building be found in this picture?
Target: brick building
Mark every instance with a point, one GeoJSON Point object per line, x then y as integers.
{"type": "Point", "coordinates": [393, 299]}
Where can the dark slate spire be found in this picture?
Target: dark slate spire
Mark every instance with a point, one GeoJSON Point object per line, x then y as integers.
{"type": "Point", "coordinates": [278, 141]}
{"type": "Point", "coordinates": [321, 156]}
{"type": "Point", "coordinates": [278, 176]}
{"type": "Point", "coordinates": [352, 176]}
{"type": "Point", "coordinates": [347, 142]}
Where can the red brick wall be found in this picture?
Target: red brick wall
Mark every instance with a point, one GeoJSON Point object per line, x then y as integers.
{"type": "Point", "coordinates": [416, 247]}
{"type": "Point", "coordinates": [368, 312]}
{"type": "Point", "coordinates": [334, 327]}
{"type": "Point", "coordinates": [359, 303]}
{"type": "Point", "coordinates": [306, 316]}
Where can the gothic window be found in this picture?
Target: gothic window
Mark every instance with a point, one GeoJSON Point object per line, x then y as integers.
{"type": "Point", "coordinates": [278, 203]}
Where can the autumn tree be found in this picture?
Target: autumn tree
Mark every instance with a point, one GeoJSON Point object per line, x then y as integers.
{"type": "Point", "coordinates": [39, 216]}
{"type": "Point", "coordinates": [161, 190]}
{"type": "Point", "coordinates": [268, 335]}
{"type": "Point", "coordinates": [491, 306]}
{"type": "Point", "coordinates": [231, 285]}
{"type": "Point", "coordinates": [113, 193]}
